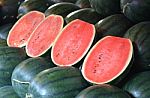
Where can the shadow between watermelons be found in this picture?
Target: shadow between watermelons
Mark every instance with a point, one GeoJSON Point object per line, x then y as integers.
{"type": "Point", "coordinates": [138, 67]}
{"type": "Point", "coordinates": [47, 56]}
{"type": "Point", "coordinates": [4, 30]}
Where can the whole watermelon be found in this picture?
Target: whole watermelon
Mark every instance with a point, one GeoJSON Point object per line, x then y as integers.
{"type": "Point", "coordinates": [136, 10]}
{"type": "Point", "coordinates": [102, 91]}
{"type": "Point", "coordinates": [139, 34]}
{"type": "Point", "coordinates": [139, 85]}
{"type": "Point", "coordinates": [106, 7]}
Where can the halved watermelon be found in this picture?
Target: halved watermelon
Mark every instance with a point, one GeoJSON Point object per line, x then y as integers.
{"type": "Point", "coordinates": [44, 35]}
{"type": "Point", "coordinates": [107, 59]}
{"type": "Point", "coordinates": [73, 43]}
{"type": "Point", "coordinates": [23, 28]}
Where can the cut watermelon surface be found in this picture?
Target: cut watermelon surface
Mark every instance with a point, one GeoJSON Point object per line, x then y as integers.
{"type": "Point", "coordinates": [44, 35]}
{"type": "Point", "coordinates": [73, 43]}
{"type": "Point", "coordinates": [23, 28]}
{"type": "Point", "coordinates": [107, 59]}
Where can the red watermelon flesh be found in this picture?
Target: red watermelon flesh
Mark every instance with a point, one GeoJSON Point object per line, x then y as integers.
{"type": "Point", "coordinates": [23, 28]}
{"type": "Point", "coordinates": [44, 35]}
{"type": "Point", "coordinates": [73, 43]}
{"type": "Point", "coordinates": [107, 59]}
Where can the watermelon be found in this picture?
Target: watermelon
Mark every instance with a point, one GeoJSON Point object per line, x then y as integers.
{"type": "Point", "coordinates": [83, 3]}
{"type": "Point", "coordinates": [136, 10]}
{"type": "Point", "coordinates": [8, 92]}
{"type": "Point", "coordinates": [102, 91]}
{"type": "Point", "coordinates": [63, 9]}
{"type": "Point", "coordinates": [107, 60]}
{"type": "Point", "coordinates": [21, 31]}
{"type": "Point", "coordinates": [106, 7]}
{"type": "Point", "coordinates": [32, 5]}
{"type": "Point", "coordinates": [73, 43]}
{"type": "Point", "coordinates": [4, 30]}
{"type": "Point", "coordinates": [8, 11]}
{"type": "Point", "coordinates": [113, 25]}
{"type": "Point", "coordinates": [85, 14]}
{"type": "Point", "coordinates": [44, 35]}
{"type": "Point", "coordinates": [10, 57]}
{"type": "Point", "coordinates": [59, 1]}
{"type": "Point", "coordinates": [25, 72]}
{"type": "Point", "coordinates": [57, 83]}
{"type": "Point", "coordinates": [139, 34]}
{"type": "Point", "coordinates": [138, 85]}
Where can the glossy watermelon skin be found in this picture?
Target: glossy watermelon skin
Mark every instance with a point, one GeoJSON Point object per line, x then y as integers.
{"type": "Point", "coordinates": [139, 34]}
{"type": "Point", "coordinates": [63, 9]}
{"type": "Point", "coordinates": [25, 72]}
{"type": "Point", "coordinates": [4, 30]}
{"type": "Point", "coordinates": [113, 25]}
{"type": "Point", "coordinates": [102, 91]}
{"type": "Point", "coordinates": [136, 10]}
{"type": "Point", "coordinates": [9, 58]}
{"type": "Point", "coordinates": [86, 14]}
{"type": "Point", "coordinates": [8, 92]}
{"type": "Point", "coordinates": [138, 85]}
{"type": "Point", "coordinates": [57, 82]}
{"type": "Point", "coordinates": [30, 5]}
{"type": "Point", "coordinates": [106, 8]}
{"type": "Point", "coordinates": [8, 11]}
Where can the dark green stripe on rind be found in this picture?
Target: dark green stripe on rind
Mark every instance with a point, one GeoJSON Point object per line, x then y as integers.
{"type": "Point", "coordinates": [85, 14]}
{"type": "Point", "coordinates": [62, 9]}
{"type": "Point", "coordinates": [57, 82]}
{"type": "Point", "coordinates": [9, 58]}
{"type": "Point", "coordinates": [139, 85]}
{"type": "Point", "coordinates": [8, 92]}
{"type": "Point", "coordinates": [139, 34]}
{"type": "Point", "coordinates": [102, 91]}
{"type": "Point", "coordinates": [25, 72]}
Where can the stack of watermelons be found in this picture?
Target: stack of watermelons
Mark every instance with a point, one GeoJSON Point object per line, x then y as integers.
{"type": "Point", "coordinates": [74, 49]}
